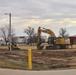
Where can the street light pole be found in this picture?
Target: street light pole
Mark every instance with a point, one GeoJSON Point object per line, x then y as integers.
{"type": "Point", "coordinates": [9, 28]}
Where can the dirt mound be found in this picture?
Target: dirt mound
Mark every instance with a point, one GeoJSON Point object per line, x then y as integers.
{"type": "Point", "coordinates": [55, 54]}
{"type": "Point", "coordinates": [55, 58]}
{"type": "Point", "coordinates": [45, 59]}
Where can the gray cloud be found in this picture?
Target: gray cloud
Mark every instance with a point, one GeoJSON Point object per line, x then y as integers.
{"type": "Point", "coordinates": [42, 8]}
{"type": "Point", "coordinates": [24, 11]}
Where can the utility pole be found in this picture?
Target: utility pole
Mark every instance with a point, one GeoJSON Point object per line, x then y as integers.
{"type": "Point", "coordinates": [9, 28]}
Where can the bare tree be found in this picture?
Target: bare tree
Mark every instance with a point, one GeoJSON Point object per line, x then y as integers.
{"type": "Point", "coordinates": [63, 33]}
{"type": "Point", "coordinates": [31, 34]}
{"type": "Point", "coordinates": [5, 33]}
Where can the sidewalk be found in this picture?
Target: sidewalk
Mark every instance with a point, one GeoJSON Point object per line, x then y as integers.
{"type": "Point", "coordinates": [25, 72]}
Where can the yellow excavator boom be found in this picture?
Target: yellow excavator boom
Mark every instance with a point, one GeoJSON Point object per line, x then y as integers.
{"type": "Point", "coordinates": [44, 30]}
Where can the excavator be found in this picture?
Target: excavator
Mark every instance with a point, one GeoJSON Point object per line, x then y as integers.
{"type": "Point", "coordinates": [53, 42]}
{"type": "Point", "coordinates": [13, 46]}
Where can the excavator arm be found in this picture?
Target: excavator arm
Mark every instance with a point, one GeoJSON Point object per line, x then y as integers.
{"type": "Point", "coordinates": [44, 30]}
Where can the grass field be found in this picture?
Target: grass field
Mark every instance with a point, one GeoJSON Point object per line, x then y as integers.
{"type": "Point", "coordinates": [25, 47]}
{"type": "Point", "coordinates": [22, 47]}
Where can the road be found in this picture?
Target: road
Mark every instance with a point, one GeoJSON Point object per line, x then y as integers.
{"type": "Point", "coordinates": [25, 72]}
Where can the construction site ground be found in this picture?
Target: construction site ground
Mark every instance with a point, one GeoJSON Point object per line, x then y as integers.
{"type": "Point", "coordinates": [41, 59]}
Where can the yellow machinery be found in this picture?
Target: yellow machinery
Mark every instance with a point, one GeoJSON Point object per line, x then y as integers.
{"type": "Point", "coordinates": [13, 46]}
{"type": "Point", "coordinates": [53, 41]}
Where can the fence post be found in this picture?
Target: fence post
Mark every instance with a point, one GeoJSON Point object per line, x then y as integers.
{"type": "Point", "coordinates": [29, 59]}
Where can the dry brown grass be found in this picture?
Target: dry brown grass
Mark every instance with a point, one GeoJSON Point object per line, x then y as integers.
{"type": "Point", "coordinates": [22, 47]}
{"type": "Point", "coordinates": [27, 47]}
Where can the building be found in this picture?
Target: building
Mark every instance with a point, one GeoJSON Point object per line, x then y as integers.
{"type": "Point", "coordinates": [72, 39]}
{"type": "Point", "coordinates": [20, 39]}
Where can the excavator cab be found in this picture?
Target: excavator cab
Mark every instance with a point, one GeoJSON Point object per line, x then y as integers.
{"type": "Point", "coordinates": [51, 40]}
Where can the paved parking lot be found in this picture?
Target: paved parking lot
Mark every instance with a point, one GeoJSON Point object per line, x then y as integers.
{"type": "Point", "coordinates": [25, 72]}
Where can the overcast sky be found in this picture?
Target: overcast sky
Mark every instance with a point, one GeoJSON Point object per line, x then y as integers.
{"type": "Point", "coordinates": [52, 14]}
